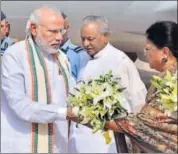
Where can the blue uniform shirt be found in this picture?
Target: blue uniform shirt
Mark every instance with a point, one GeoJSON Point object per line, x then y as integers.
{"type": "Point", "coordinates": [84, 58]}
{"type": "Point", "coordinates": [5, 43]}
{"type": "Point", "coordinates": [71, 51]}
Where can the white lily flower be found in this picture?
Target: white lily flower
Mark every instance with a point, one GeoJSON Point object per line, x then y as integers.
{"type": "Point", "coordinates": [101, 97]}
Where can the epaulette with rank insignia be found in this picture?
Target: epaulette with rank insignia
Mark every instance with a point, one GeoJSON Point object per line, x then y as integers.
{"type": "Point", "coordinates": [78, 49]}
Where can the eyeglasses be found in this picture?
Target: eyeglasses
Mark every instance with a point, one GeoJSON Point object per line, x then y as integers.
{"type": "Point", "coordinates": [55, 31]}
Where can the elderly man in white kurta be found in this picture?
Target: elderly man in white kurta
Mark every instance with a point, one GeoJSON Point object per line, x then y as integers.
{"type": "Point", "coordinates": [105, 57]}
{"type": "Point", "coordinates": [35, 82]}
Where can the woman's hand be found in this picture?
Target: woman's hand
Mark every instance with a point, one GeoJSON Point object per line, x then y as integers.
{"type": "Point", "coordinates": [111, 125]}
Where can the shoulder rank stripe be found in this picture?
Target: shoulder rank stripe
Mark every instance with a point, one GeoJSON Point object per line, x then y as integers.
{"type": "Point", "coordinates": [77, 49]}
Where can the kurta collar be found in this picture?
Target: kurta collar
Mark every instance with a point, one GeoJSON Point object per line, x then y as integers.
{"type": "Point", "coordinates": [100, 53]}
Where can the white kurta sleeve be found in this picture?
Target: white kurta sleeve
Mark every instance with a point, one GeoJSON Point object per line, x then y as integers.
{"type": "Point", "coordinates": [135, 92]}
{"type": "Point", "coordinates": [13, 91]}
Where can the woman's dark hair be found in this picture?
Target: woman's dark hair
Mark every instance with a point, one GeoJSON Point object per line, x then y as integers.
{"type": "Point", "coordinates": [164, 34]}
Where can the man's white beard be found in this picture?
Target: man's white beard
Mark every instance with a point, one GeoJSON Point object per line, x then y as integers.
{"type": "Point", "coordinates": [43, 45]}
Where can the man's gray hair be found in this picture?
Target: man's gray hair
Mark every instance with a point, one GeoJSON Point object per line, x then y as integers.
{"type": "Point", "coordinates": [101, 20]}
{"type": "Point", "coordinates": [36, 18]}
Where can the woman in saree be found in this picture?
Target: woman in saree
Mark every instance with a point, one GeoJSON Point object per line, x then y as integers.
{"type": "Point", "coordinates": [152, 127]}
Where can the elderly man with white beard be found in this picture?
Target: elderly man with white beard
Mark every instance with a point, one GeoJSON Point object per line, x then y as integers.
{"type": "Point", "coordinates": [35, 83]}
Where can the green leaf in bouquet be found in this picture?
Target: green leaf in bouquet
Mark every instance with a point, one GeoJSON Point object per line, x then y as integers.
{"type": "Point", "coordinates": [102, 111]}
{"type": "Point", "coordinates": [156, 79]}
{"type": "Point", "coordinates": [174, 95]}
{"type": "Point", "coordinates": [119, 107]}
{"type": "Point", "coordinates": [96, 91]}
{"type": "Point", "coordinates": [74, 101]}
{"type": "Point", "coordinates": [83, 97]}
{"type": "Point", "coordinates": [103, 124]}
{"type": "Point", "coordinates": [166, 90]}
{"type": "Point", "coordinates": [167, 103]}
{"type": "Point", "coordinates": [97, 125]}
{"type": "Point", "coordinates": [87, 112]}
{"type": "Point", "coordinates": [173, 98]}
{"type": "Point", "coordinates": [156, 84]}
{"type": "Point", "coordinates": [121, 89]}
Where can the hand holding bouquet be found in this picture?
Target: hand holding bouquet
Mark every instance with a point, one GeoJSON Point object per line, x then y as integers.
{"type": "Point", "coordinates": [98, 101]}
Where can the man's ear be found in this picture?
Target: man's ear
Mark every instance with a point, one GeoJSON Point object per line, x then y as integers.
{"type": "Point", "coordinates": [105, 38]}
{"type": "Point", "coordinates": [33, 29]}
{"type": "Point", "coordinates": [68, 28]}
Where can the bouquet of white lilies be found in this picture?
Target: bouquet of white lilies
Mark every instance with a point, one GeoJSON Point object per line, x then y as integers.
{"type": "Point", "coordinates": [98, 101]}
{"type": "Point", "coordinates": [167, 91]}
